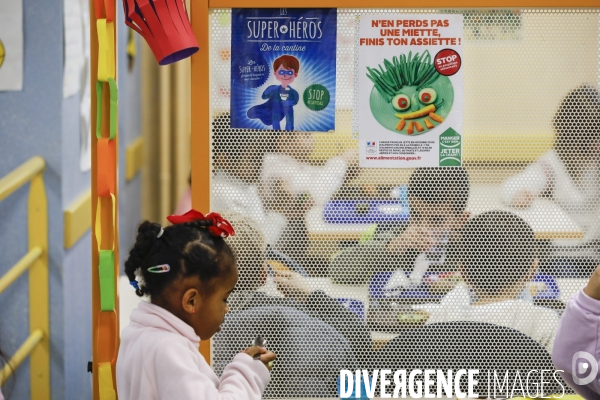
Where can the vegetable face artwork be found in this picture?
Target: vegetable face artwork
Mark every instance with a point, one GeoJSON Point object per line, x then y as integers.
{"type": "Point", "coordinates": [409, 96]}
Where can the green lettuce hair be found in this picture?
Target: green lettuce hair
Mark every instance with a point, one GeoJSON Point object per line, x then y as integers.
{"type": "Point", "coordinates": [403, 71]}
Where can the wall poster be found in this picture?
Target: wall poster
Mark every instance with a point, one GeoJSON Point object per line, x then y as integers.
{"type": "Point", "coordinates": [11, 45]}
{"type": "Point", "coordinates": [283, 69]}
{"type": "Point", "coordinates": [410, 77]}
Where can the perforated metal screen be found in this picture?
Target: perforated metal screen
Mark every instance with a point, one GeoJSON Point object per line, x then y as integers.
{"type": "Point", "coordinates": [342, 267]}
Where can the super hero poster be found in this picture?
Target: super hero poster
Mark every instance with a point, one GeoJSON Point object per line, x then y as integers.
{"type": "Point", "coordinates": [283, 69]}
{"type": "Point", "coordinates": [410, 93]}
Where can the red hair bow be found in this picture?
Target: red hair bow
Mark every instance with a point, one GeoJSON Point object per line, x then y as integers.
{"type": "Point", "coordinates": [220, 226]}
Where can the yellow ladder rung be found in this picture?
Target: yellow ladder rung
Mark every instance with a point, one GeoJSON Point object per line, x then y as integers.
{"type": "Point", "coordinates": [20, 176]}
{"type": "Point", "coordinates": [16, 360]}
{"type": "Point", "coordinates": [20, 267]}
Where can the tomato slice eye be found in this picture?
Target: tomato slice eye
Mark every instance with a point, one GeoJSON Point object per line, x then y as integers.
{"type": "Point", "coordinates": [401, 102]}
{"type": "Point", "coordinates": [427, 96]}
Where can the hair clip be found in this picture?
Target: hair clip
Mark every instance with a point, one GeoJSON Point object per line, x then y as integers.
{"type": "Point", "coordinates": [135, 285]}
{"type": "Point", "coordinates": [160, 269]}
{"type": "Point", "coordinates": [162, 230]}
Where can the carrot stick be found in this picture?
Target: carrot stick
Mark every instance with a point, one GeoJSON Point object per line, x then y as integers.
{"type": "Point", "coordinates": [428, 123]}
{"type": "Point", "coordinates": [401, 125]}
{"type": "Point", "coordinates": [419, 126]}
{"type": "Point", "coordinates": [410, 129]}
{"type": "Point", "coordinates": [419, 113]}
{"type": "Point", "coordinates": [436, 117]}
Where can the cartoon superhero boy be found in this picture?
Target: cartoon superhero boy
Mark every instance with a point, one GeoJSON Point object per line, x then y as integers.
{"type": "Point", "coordinates": [280, 98]}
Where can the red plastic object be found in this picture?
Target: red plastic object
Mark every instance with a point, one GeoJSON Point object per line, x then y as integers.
{"type": "Point", "coordinates": [106, 152]}
{"type": "Point", "coordinates": [109, 7]}
{"type": "Point", "coordinates": [98, 9]}
{"type": "Point", "coordinates": [165, 26]}
{"type": "Point", "coordinates": [105, 9]}
{"type": "Point", "coordinates": [107, 339]}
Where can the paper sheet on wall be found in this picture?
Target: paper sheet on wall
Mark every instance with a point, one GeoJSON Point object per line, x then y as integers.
{"type": "Point", "coordinates": [85, 159]}
{"type": "Point", "coordinates": [410, 90]}
{"type": "Point", "coordinates": [11, 45]}
{"type": "Point", "coordinates": [73, 42]}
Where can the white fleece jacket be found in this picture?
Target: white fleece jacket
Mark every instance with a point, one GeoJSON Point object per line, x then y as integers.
{"type": "Point", "coordinates": [578, 198]}
{"type": "Point", "coordinates": [159, 359]}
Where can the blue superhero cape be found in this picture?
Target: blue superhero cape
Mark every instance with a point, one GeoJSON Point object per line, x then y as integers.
{"type": "Point", "coordinates": [272, 112]}
{"type": "Point", "coordinates": [264, 112]}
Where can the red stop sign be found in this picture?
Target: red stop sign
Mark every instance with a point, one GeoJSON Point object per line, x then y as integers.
{"type": "Point", "coordinates": [447, 62]}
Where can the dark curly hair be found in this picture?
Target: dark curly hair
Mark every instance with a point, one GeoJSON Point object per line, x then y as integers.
{"type": "Point", "coordinates": [498, 250]}
{"type": "Point", "coordinates": [189, 249]}
{"type": "Point", "coordinates": [441, 185]}
{"type": "Point", "coordinates": [577, 126]}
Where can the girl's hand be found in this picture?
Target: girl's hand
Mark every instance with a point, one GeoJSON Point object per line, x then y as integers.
{"type": "Point", "coordinates": [266, 357]}
{"type": "Point", "coordinates": [593, 287]}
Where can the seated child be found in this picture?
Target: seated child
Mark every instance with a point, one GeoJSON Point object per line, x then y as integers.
{"type": "Point", "coordinates": [438, 198]}
{"type": "Point", "coordinates": [312, 353]}
{"type": "Point", "coordinates": [497, 259]}
{"type": "Point", "coordinates": [568, 174]}
{"type": "Point", "coordinates": [249, 247]}
{"type": "Point", "coordinates": [287, 176]}
{"type": "Point", "coordinates": [236, 185]}
{"type": "Point", "coordinates": [188, 271]}
{"type": "Point", "coordinates": [578, 331]}
{"type": "Point", "coordinates": [290, 167]}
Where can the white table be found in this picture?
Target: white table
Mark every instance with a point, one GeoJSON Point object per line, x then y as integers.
{"type": "Point", "coordinates": [567, 287]}
{"type": "Point", "coordinates": [546, 218]}
{"type": "Point", "coordinates": [336, 291]}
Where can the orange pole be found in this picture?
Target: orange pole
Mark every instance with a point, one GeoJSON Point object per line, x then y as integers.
{"type": "Point", "coordinates": [95, 281]}
{"type": "Point", "coordinates": [105, 207]}
{"type": "Point", "coordinates": [201, 119]}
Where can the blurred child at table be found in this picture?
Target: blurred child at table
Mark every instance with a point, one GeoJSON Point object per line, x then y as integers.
{"type": "Point", "coordinates": [288, 177]}
{"type": "Point", "coordinates": [251, 291]}
{"type": "Point", "coordinates": [308, 333]}
{"type": "Point", "coordinates": [438, 198]}
{"type": "Point", "coordinates": [235, 185]}
{"type": "Point", "coordinates": [498, 257]}
{"type": "Point", "coordinates": [188, 271]}
{"type": "Point", "coordinates": [577, 334]}
{"type": "Point", "coordinates": [290, 167]}
{"type": "Point", "coordinates": [570, 172]}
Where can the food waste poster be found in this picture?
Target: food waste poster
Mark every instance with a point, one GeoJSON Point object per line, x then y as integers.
{"type": "Point", "coordinates": [410, 88]}
{"type": "Point", "coordinates": [283, 69]}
